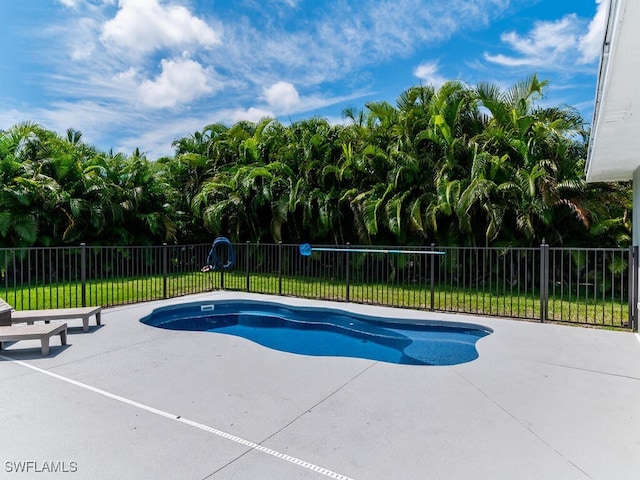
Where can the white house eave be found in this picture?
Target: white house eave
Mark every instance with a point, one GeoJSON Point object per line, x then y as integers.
{"type": "Point", "coordinates": [614, 152]}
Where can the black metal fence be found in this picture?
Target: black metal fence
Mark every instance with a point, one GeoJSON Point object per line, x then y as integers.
{"type": "Point", "coordinates": [586, 286]}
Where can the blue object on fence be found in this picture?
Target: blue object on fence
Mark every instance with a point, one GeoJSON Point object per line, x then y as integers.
{"type": "Point", "coordinates": [213, 259]}
{"type": "Point", "coordinates": [306, 250]}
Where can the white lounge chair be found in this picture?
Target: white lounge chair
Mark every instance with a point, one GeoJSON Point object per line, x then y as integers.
{"type": "Point", "coordinates": [30, 316]}
{"type": "Point", "coordinates": [5, 313]}
{"type": "Point", "coordinates": [42, 332]}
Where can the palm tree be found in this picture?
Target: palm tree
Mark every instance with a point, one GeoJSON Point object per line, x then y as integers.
{"type": "Point", "coordinates": [533, 167]}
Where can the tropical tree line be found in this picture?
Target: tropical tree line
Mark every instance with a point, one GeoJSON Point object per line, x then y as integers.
{"type": "Point", "coordinates": [57, 190]}
{"type": "Point", "coordinates": [457, 165]}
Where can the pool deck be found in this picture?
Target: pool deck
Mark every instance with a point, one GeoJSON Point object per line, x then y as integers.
{"type": "Point", "coordinates": [130, 401]}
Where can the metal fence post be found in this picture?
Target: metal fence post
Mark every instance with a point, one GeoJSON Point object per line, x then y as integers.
{"type": "Point", "coordinates": [347, 272]}
{"type": "Point", "coordinates": [165, 268]}
{"type": "Point", "coordinates": [544, 281]}
{"type": "Point", "coordinates": [431, 275]}
{"type": "Point", "coordinates": [634, 323]}
{"type": "Point", "coordinates": [280, 268]}
{"type": "Point", "coordinates": [632, 294]}
{"type": "Point", "coordinates": [29, 275]}
{"type": "Point", "coordinates": [246, 264]}
{"type": "Point", "coordinates": [83, 273]}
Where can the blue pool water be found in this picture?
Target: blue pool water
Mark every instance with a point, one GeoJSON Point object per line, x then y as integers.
{"type": "Point", "coordinates": [327, 332]}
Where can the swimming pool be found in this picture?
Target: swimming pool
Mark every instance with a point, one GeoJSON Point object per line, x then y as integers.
{"type": "Point", "coordinates": [327, 332]}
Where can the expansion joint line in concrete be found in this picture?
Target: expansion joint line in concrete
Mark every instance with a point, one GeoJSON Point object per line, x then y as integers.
{"type": "Point", "coordinates": [247, 443]}
{"type": "Point", "coordinates": [328, 396]}
{"type": "Point", "coordinates": [298, 417]}
{"type": "Point", "coordinates": [524, 425]}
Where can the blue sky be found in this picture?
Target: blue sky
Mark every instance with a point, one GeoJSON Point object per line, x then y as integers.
{"type": "Point", "coordinates": [140, 73]}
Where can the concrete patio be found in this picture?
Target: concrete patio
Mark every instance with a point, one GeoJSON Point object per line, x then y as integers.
{"type": "Point", "coordinates": [130, 401]}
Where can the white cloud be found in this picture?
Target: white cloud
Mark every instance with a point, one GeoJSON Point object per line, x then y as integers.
{"type": "Point", "coordinates": [8, 118]}
{"type": "Point", "coordinates": [181, 81]}
{"type": "Point", "coordinates": [81, 52]}
{"type": "Point", "coordinates": [545, 45]}
{"type": "Point", "coordinates": [428, 72]}
{"type": "Point", "coordinates": [155, 139]}
{"type": "Point", "coordinates": [127, 77]}
{"type": "Point", "coordinates": [334, 120]}
{"type": "Point", "coordinates": [564, 44]}
{"type": "Point", "coordinates": [83, 44]}
{"type": "Point", "coordinates": [251, 114]}
{"type": "Point", "coordinates": [92, 118]}
{"type": "Point", "coordinates": [142, 26]}
{"type": "Point", "coordinates": [345, 36]}
{"type": "Point", "coordinates": [591, 42]}
{"type": "Point", "coordinates": [69, 3]}
{"type": "Point", "coordinates": [282, 96]}
{"type": "Point", "coordinates": [100, 121]}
